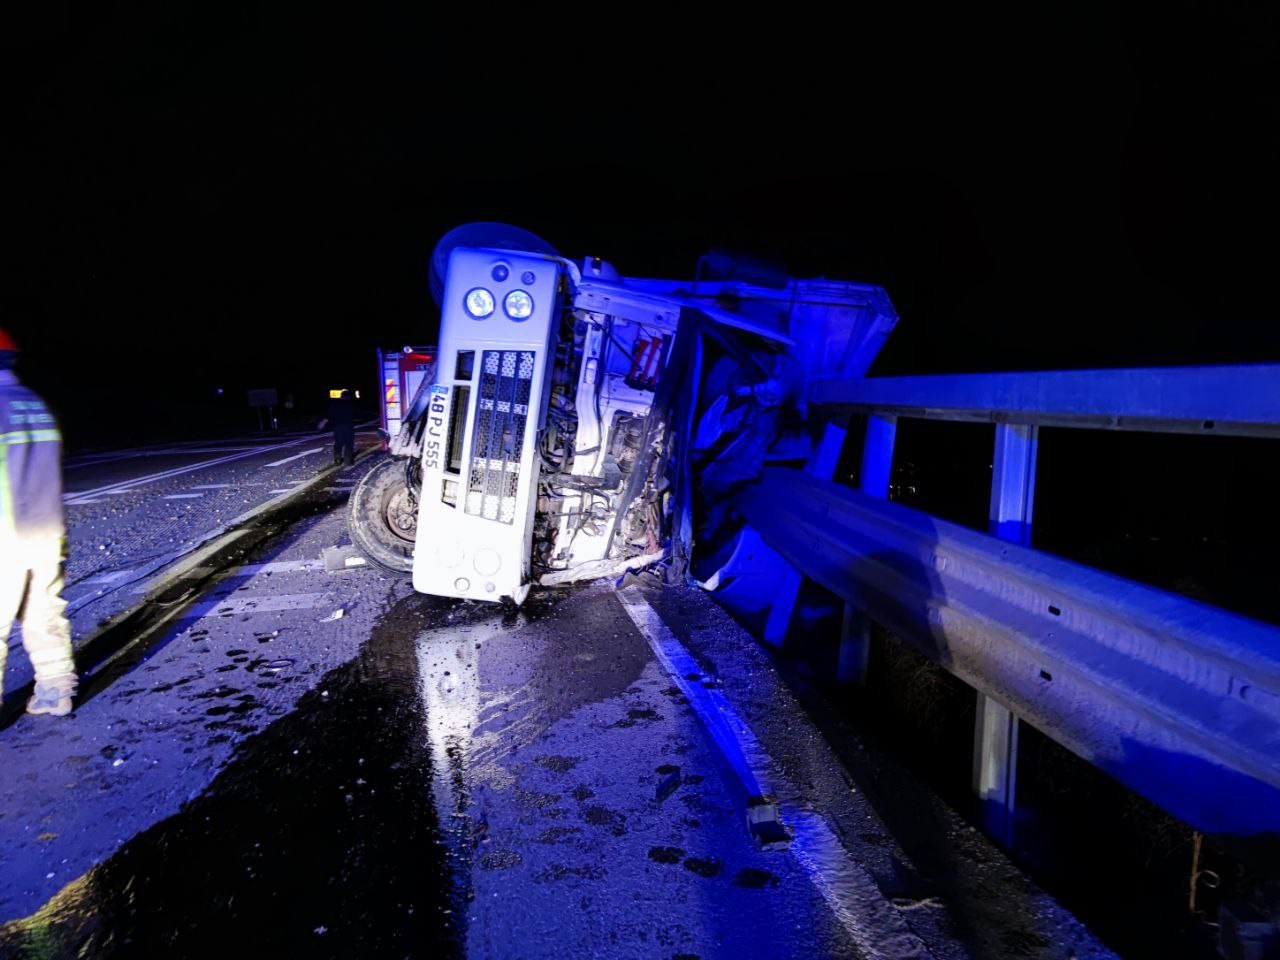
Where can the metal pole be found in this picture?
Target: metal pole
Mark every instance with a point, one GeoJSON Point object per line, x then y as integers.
{"type": "Point", "coordinates": [995, 735]}
{"type": "Point", "coordinates": [877, 471]}
{"type": "Point", "coordinates": [822, 464]}
{"type": "Point", "coordinates": [877, 455]}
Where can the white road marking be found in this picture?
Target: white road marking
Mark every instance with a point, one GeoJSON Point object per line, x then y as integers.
{"type": "Point", "coordinates": [183, 496]}
{"type": "Point", "coordinates": [124, 486]}
{"type": "Point", "coordinates": [210, 486]}
{"type": "Point", "coordinates": [195, 573]}
{"type": "Point", "coordinates": [293, 601]}
{"type": "Point", "coordinates": [95, 460]}
{"type": "Point", "coordinates": [110, 576]}
{"type": "Point", "coordinates": [296, 456]}
{"type": "Point", "coordinates": [279, 566]}
{"type": "Point", "coordinates": [867, 916]}
{"type": "Point", "coordinates": [81, 502]}
{"type": "Point", "coordinates": [279, 490]}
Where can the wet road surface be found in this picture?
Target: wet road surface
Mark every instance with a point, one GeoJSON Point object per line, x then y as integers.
{"type": "Point", "coordinates": [134, 514]}
{"type": "Point", "coordinates": [418, 777]}
{"type": "Point", "coordinates": [154, 727]}
{"type": "Point", "coordinates": [94, 478]}
{"type": "Point", "coordinates": [318, 838]}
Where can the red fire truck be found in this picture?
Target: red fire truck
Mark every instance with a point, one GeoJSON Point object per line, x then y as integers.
{"type": "Point", "coordinates": [400, 373]}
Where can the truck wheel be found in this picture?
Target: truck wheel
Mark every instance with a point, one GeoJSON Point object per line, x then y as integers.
{"type": "Point", "coordinates": [384, 516]}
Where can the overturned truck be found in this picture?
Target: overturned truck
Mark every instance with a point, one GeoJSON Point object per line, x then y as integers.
{"type": "Point", "coordinates": [582, 424]}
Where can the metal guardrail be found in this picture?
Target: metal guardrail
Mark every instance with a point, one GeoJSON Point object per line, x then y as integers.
{"type": "Point", "coordinates": [1179, 700]}
{"type": "Point", "coordinates": [1239, 400]}
{"type": "Point", "coordinates": [1176, 699]}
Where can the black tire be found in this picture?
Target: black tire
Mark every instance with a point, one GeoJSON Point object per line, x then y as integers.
{"type": "Point", "coordinates": [384, 516]}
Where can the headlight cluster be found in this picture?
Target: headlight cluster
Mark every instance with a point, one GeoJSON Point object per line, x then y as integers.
{"type": "Point", "coordinates": [479, 303]}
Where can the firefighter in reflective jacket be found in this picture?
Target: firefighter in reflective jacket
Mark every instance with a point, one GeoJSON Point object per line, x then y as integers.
{"type": "Point", "coordinates": [32, 537]}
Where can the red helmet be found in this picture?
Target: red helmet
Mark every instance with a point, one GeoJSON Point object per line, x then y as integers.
{"type": "Point", "coordinates": [6, 341]}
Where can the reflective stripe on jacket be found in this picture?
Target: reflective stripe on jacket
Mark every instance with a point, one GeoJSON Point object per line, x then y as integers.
{"type": "Point", "coordinates": [30, 463]}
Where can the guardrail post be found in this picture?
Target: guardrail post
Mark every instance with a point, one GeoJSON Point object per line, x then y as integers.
{"type": "Point", "coordinates": [877, 455]}
{"type": "Point", "coordinates": [821, 464]}
{"type": "Point", "coordinates": [877, 470]}
{"type": "Point", "coordinates": [995, 735]}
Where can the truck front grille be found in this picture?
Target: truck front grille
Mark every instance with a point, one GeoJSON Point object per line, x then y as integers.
{"type": "Point", "coordinates": [502, 412]}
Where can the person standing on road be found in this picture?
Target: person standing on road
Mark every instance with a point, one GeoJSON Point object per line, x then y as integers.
{"type": "Point", "coordinates": [342, 417]}
{"type": "Point", "coordinates": [33, 540]}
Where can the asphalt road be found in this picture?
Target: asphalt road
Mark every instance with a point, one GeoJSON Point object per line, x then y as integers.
{"type": "Point", "coordinates": [133, 513]}
{"type": "Point", "coordinates": [326, 763]}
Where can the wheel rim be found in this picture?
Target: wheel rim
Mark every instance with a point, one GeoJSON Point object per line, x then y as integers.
{"type": "Point", "coordinates": [400, 510]}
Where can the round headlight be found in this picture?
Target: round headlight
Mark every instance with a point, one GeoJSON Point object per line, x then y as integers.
{"type": "Point", "coordinates": [479, 303]}
{"type": "Point", "coordinates": [518, 304]}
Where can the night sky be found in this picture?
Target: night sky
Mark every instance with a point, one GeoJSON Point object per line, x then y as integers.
{"type": "Point", "coordinates": [196, 195]}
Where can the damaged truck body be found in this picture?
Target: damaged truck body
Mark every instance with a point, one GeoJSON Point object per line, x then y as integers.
{"type": "Point", "coordinates": [581, 423]}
